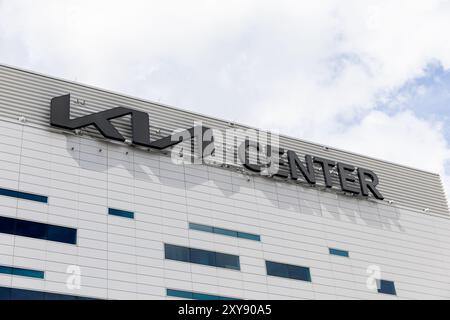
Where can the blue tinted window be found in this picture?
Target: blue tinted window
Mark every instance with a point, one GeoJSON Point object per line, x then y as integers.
{"type": "Point", "coordinates": [26, 295]}
{"type": "Point", "coordinates": [200, 227]}
{"type": "Point", "coordinates": [38, 230]}
{"type": "Point", "coordinates": [195, 295]}
{"type": "Point", "coordinates": [338, 252]}
{"type": "Point", "coordinates": [249, 236]}
{"type": "Point", "coordinates": [121, 213]}
{"type": "Point", "coordinates": [22, 294]}
{"type": "Point", "coordinates": [22, 272]}
{"type": "Point", "coordinates": [288, 271]}
{"type": "Point", "coordinates": [227, 261]}
{"type": "Point", "coordinates": [5, 270]}
{"type": "Point", "coordinates": [179, 294]}
{"type": "Point", "coordinates": [23, 195]}
{"type": "Point", "coordinates": [299, 273]}
{"type": "Point", "coordinates": [277, 269]}
{"type": "Point", "coordinates": [387, 287]}
{"type": "Point", "coordinates": [28, 273]}
{"type": "Point", "coordinates": [203, 257]}
{"type": "Point", "coordinates": [5, 293]}
{"type": "Point", "coordinates": [225, 232]}
{"type": "Point", "coordinates": [176, 253]}
{"type": "Point", "coordinates": [199, 256]}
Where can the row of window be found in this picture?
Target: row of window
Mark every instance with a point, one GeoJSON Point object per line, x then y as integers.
{"type": "Point", "coordinates": [199, 256]}
{"type": "Point", "coordinates": [68, 235]}
{"type": "Point", "coordinates": [22, 272]}
{"type": "Point", "coordinates": [38, 230]}
{"type": "Point", "coordinates": [195, 295]}
{"type": "Point", "coordinates": [225, 232]}
{"type": "Point", "coordinates": [22, 294]}
{"type": "Point", "coordinates": [228, 261]}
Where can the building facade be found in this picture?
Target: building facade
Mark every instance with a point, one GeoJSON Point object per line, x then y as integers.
{"type": "Point", "coordinates": [90, 209]}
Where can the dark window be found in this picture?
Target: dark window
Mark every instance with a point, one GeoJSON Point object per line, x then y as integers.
{"type": "Point", "coordinates": [176, 253]}
{"type": "Point", "coordinates": [5, 293]}
{"type": "Point", "coordinates": [203, 257]}
{"type": "Point", "coordinates": [337, 252]}
{"type": "Point", "coordinates": [288, 271]}
{"type": "Point", "coordinates": [62, 234]}
{"type": "Point", "coordinates": [38, 230]}
{"type": "Point", "coordinates": [23, 195]}
{"type": "Point", "coordinates": [299, 273]}
{"type": "Point", "coordinates": [22, 294]}
{"type": "Point", "coordinates": [195, 295]}
{"type": "Point", "coordinates": [31, 229]}
{"type": "Point", "coordinates": [121, 213]}
{"type": "Point", "coordinates": [387, 287]}
{"type": "Point", "coordinates": [199, 256]}
{"type": "Point", "coordinates": [26, 295]}
{"type": "Point", "coordinates": [227, 261]}
{"type": "Point", "coordinates": [7, 225]}
{"type": "Point", "coordinates": [277, 269]}
{"type": "Point", "coordinates": [225, 232]}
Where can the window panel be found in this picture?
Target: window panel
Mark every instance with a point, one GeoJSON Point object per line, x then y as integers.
{"type": "Point", "coordinates": [203, 257]}
{"type": "Point", "coordinates": [277, 269]}
{"type": "Point", "coordinates": [288, 271]}
{"type": "Point", "coordinates": [31, 229]}
{"type": "Point", "coordinates": [227, 261]}
{"type": "Point", "coordinates": [121, 213]}
{"type": "Point", "coordinates": [23, 195]}
{"type": "Point", "coordinates": [176, 253]}
{"type": "Point", "coordinates": [38, 230]}
{"type": "Point", "coordinates": [224, 232]}
{"type": "Point", "coordinates": [387, 287]}
{"type": "Point", "coordinates": [200, 227]}
{"type": "Point", "coordinates": [337, 252]}
{"type": "Point", "coordinates": [61, 234]}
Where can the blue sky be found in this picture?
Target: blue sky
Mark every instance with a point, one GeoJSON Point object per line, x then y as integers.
{"type": "Point", "coordinates": [366, 76]}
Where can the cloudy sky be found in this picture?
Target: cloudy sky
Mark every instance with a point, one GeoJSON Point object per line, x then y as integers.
{"type": "Point", "coordinates": [366, 76]}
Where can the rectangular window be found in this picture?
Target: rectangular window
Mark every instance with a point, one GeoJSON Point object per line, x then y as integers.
{"type": "Point", "coordinates": [195, 295]}
{"type": "Point", "coordinates": [176, 253]}
{"type": "Point", "coordinates": [228, 261]}
{"type": "Point", "coordinates": [204, 257]}
{"type": "Point", "coordinates": [38, 230]}
{"type": "Point", "coordinates": [387, 287]}
{"type": "Point", "coordinates": [121, 213]}
{"type": "Point", "coordinates": [23, 195]}
{"type": "Point", "coordinates": [337, 252]}
{"type": "Point", "coordinates": [288, 271]}
{"type": "Point", "coordinates": [22, 294]}
{"type": "Point", "coordinates": [224, 232]}
{"type": "Point", "coordinates": [201, 227]}
{"type": "Point", "coordinates": [22, 272]}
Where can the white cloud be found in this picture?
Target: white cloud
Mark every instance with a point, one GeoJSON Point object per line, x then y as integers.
{"type": "Point", "coordinates": [315, 70]}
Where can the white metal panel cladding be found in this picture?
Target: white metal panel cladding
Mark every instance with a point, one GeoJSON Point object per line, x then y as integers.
{"type": "Point", "coordinates": [24, 93]}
